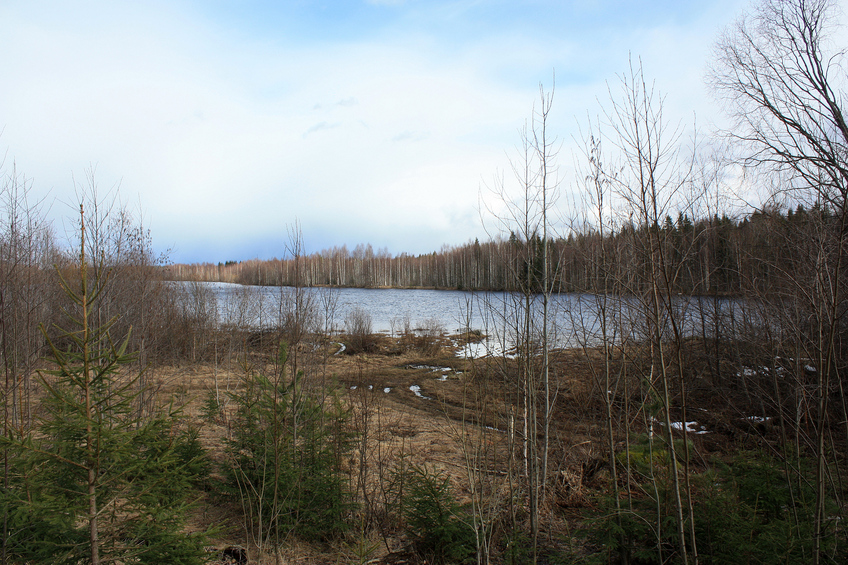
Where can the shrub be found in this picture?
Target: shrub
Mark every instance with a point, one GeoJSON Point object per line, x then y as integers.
{"type": "Point", "coordinates": [358, 329]}
{"type": "Point", "coordinates": [434, 519]}
{"type": "Point", "coordinates": [429, 337]}
{"type": "Point", "coordinates": [746, 511]}
{"type": "Point", "coordinates": [285, 459]}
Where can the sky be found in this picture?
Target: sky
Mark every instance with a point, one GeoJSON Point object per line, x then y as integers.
{"type": "Point", "coordinates": [225, 122]}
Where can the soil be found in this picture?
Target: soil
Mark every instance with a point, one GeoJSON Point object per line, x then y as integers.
{"type": "Point", "coordinates": [427, 429]}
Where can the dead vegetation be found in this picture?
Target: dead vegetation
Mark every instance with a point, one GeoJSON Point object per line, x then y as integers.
{"type": "Point", "coordinates": [419, 407]}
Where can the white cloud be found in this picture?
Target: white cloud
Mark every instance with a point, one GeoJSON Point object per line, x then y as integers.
{"type": "Point", "coordinates": [226, 137]}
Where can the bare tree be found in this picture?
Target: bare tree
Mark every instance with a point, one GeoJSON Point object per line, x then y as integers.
{"type": "Point", "coordinates": [598, 318]}
{"type": "Point", "coordinates": [526, 218]}
{"type": "Point", "coordinates": [651, 183]}
{"type": "Point", "coordinates": [25, 245]}
{"type": "Point", "coordinates": [785, 90]}
{"type": "Point", "coordinates": [784, 82]}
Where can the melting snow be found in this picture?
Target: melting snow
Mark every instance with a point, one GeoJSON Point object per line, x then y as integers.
{"type": "Point", "coordinates": [473, 350]}
{"type": "Point", "coordinates": [387, 389]}
{"type": "Point", "coordinates": [416, 390]}
{"type": "Point", "coordinates": [432, 368]}
{"type": "Point", "coordinates": [691, 427]}
{"type": "Point", "coordinates": [758, 419]}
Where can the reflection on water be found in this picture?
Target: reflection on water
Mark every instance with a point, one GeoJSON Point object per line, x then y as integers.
{"type": "Point", "coordinates": [574, 319]}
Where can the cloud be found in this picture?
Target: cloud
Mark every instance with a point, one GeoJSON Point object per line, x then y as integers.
{"type": "Point", "coordinates": [225, 128]}
{"type": "Point", "coordinates": [347, 102]}
{"type": "Point", "coordinates": [410, 136]}
{"type": "Point", "coordinates": [321, 126]}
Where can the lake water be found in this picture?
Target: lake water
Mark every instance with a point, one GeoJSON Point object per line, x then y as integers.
{"type": "Point", "coordinates": [574, 319]}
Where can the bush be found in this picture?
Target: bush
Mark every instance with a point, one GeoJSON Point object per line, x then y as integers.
{"type": "Point", "coordinates": [358, 329]}
{"type": "Point", "coordinates": [434, 519]}
{"type": "Point", "coordinates": [429, 337]}
{"type": "Point", "coordinates": [285, 459]}
{"type": "Point", "coordinates": [748, 510]}
{"type": "Point", "coordinates": [745, 512]}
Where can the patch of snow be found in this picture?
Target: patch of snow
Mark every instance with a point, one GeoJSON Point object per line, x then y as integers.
{"type": "Point", "coordinates": [758, 419]}
{"type": "Point", "coordinates": [809, 368]}
{"type": "Point", "coordinates": [370, 387]}
{"type": "Point", "coordinates": [432, 368]}
{"type": "Point", "coordinates": [353, 387]}
{"type": "Point", "coordinates": [341, 348]}
{"type": "Point", "coordinates": [478, 350]}
{"type": "Point", "coordinates": [387, 390]}
{"type": "Point", "coordinates": [416, 390]}
{"type": "Point", "coordinates": [443, 378]}
{"type": "Point", "coordinates": [691, 427]}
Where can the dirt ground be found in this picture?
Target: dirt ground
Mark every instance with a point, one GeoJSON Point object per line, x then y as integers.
{"type": "Point", "coordinates": [427, 406]}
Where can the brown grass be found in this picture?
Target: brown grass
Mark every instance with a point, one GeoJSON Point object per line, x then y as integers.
{"type": "Point", "coordinates": [421, 431]}
{"type": "Point", "coordinates": [400, 424]}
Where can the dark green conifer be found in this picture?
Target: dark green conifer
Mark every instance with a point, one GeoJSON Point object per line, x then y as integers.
{"type": "Point", "coordinates": [95, 482]}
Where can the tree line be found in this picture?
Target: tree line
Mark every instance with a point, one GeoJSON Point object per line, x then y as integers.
{"type": "Point", "coordinates": [718, 255]}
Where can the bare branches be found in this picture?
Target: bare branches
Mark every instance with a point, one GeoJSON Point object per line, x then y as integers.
{"type": "Point", "coordinates": [784, 87]}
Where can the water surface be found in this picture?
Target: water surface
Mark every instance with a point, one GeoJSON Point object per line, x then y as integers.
{"type": "Point", "coordinates": [573, 319]}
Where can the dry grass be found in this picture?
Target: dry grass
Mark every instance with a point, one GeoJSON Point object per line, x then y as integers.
{"type": "Point", "coordinates": [462, 408]}
{"type": "Point", "coordinates": [400, 425]}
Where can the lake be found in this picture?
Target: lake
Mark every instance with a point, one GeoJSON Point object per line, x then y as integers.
{"type": "Point", "coordinates": [574, 319]}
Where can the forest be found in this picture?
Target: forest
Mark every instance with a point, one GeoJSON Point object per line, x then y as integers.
{"type": "Point", "coordinates": [715, 256]}
{"type": "Point", "coordinates": [138, 428]}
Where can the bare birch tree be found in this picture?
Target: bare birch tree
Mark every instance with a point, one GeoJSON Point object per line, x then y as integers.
{"type": "Point", "coordinates": [651, 183]}
{"type": "Point", "coordinates": [784, 82]}
{"type": "Point", "coordinates": [527, 219]}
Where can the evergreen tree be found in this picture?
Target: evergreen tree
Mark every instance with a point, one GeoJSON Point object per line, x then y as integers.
{"type": "Point", "coordinates": [95, 483]}
{"type": "Point", "coordinates": [285, 459]}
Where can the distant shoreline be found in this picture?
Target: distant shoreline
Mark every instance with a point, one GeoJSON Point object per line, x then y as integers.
{"type": "Point", "coordinates": [725, 295]}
